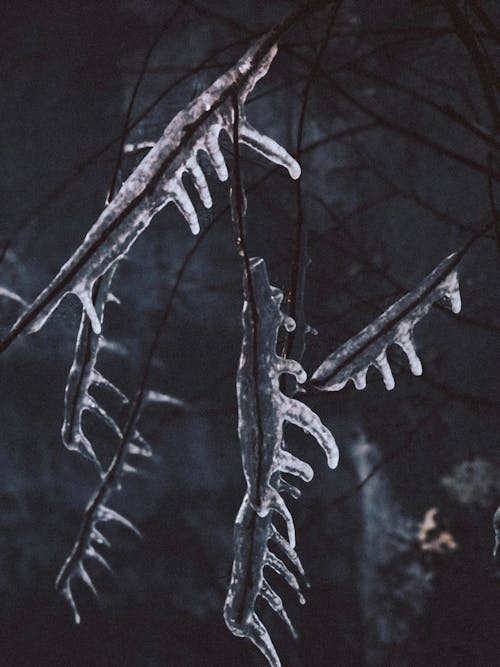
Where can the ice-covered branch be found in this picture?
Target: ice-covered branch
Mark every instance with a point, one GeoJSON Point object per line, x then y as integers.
{"type": "Point", "coordinates": [395, 326]}
{"type": "Point", "coordinates": [262, 412]}
{"type": "Point", "coordinates": [253, 538]}
{"type": "Point", "coordinates": [90, 540]}
{"type": "Point", "coordinates": [158, 180]}
{"type": "Point", "coordinates": [83, 374]}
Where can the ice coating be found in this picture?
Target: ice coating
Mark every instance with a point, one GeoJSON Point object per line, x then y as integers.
{"type": "Point", "coordinates": [157, 180]}
{"type": "Point", "coordinates": [262, 407]}
{"type": "Point", "coordinates": [394, 326]}
{"type": "Point", "coordinates": [12, 296]}
{"type": "Point", "coordinates": [262, 412]}
{"type": "Point", "coordinates": [90, 539]}
{"type": "Point", "coordinates": [83, 374]}
{"type": "Point", "coordinates": [85, 548]}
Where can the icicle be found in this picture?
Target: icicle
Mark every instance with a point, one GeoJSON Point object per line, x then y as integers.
{"type": "Point", "coordinates": [107, 514]}
{"type": "Point", "coordinates": [276, 604]}
{"type": "Point", "coordinates": [85, 296]}
{"type": "Point", "coordinates": [138, 445]}
{"type": "Point", "coordinates": [135, 450]}
{"type": "Point", "coordinates": [395, 326]}
{"type": "Point", "coordinates": [12, 296]}
{"type": "Point", "coordinates": [100, 381]}
{"type": "Point", "coordinates": [290, 464]}
{"type": "Point", "coordinates": [385, 370]}
{"type": "Point", "coordinates": [66, 592]}
{"type": "Point", "coordinates": [286, 487]}
{"type": "Point", "coordinates": [99, 538]}
{"type": "Point", "coordinates": [92, 553]}
{"type": "Point", "coordinates": [127, 469]}
{"type": "Point", "coordinates": [91, 404]}
{"type": "Point", "coordinates": [269, 149]}
{"type": "Point", "coordinates": [279, 566]}
{"type": "Point", "coordinates": [290, 553]}
{"type": "Point", "coordinates": [275, 502]}
{"type": "Point", "coordinates": [199, 180]}
{"type": "Point", "coordinates": [84, 576]}
{"type": "Point", "coordinates": [158, 397]}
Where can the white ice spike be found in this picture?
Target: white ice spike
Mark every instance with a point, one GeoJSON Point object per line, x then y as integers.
{"type": "Point", "coordinates": [263, 410]}
{"type": "Point", "coordinates": [393, 327]}
{"type": "Point", "coordinates": [157, 180]}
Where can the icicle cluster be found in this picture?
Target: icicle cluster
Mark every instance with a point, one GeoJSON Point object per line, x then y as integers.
{"type": "Point", "coordinates": [86, 547]}
{"type": "Point", "coordinates": [83, 374]}
{"type": "Point", "coordinates": [262, 411]}
{"type": "Point", "coordinates": [395, 326]}
{"type": "Point", "coordinates": [90, 539]}
{"type": "Point", "coordinates": [157, 180]}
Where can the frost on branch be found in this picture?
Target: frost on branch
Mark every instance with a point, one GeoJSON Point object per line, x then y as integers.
{"type": "Point", "coordinates": [395, 326]}
{"type": "Point", "coordinates": [262, 412]}
{"type": "Point", "coordinates": [90, 541]}
{"type": "Point", "coordinates": [157, 180]}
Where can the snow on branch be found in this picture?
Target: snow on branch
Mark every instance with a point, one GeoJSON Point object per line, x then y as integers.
{"type": "Point", "coordinates": [394, 326]}
{"type": "Point", "coordinates": [262, 412]}
{"type": "Point", "coordinates": [157, 180]}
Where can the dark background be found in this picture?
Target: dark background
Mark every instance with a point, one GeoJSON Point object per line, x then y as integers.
{"type": "Point", "coordinates": [400, 181]}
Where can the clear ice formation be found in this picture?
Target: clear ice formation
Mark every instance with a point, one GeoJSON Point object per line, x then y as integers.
{"type": "Point", "coordinates": [157, 180]}
{"type": "Point", "coordinates": [83, 375]}
{"type": "Point", "coordinates": [394, 326]}
{"type": "Point", "coordinates": [262, 412]}
{"type": "Point", "coordinates": [91, 540]}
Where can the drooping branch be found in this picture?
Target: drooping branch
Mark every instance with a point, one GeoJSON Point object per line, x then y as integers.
{"type": "Point", "coordinates": [83, 374]}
